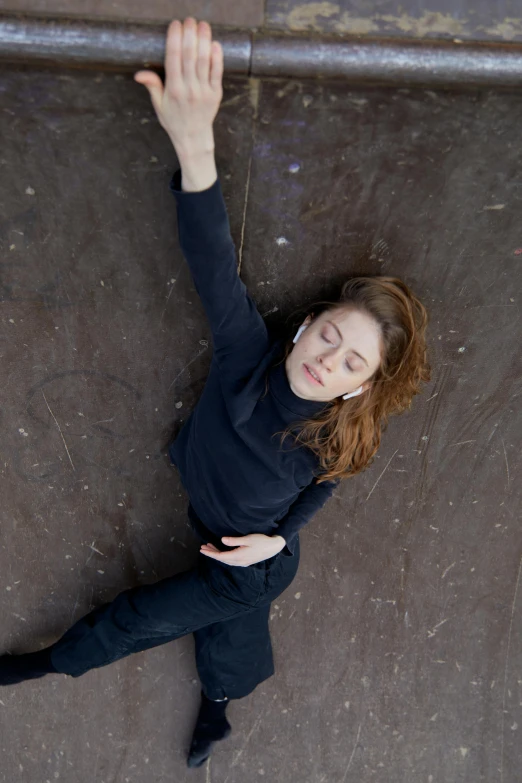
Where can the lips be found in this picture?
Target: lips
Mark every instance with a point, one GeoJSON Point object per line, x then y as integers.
{"type": "Point", "coordinates": [316, 373]}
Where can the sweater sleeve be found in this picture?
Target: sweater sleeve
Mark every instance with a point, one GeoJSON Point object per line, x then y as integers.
{"type": "Point", "coordinates": [237, 327]}
{"type": "Point", "coordinates": [303, 509]}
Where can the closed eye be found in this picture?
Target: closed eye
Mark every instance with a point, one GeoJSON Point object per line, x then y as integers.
{"type": "Point", "coordinates": [330, 343]}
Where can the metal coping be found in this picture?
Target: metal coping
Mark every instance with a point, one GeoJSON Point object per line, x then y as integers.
{"type": "Point", "coordinates": [261, 53]}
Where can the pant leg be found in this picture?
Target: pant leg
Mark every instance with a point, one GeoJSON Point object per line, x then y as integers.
{"type": "Point", "coordinates": [147, 616]}
{"type": "Point", "coordinates": [234, 656]}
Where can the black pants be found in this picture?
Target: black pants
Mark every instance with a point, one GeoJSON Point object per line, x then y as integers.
{"type": "Point", "coordinates": [225, 607]}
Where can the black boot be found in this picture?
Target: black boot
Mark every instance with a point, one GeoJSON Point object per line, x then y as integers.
{"type": "Point", "coordinates": [211, 726]}
{"type": "Point", "coordinates": [30, 666]}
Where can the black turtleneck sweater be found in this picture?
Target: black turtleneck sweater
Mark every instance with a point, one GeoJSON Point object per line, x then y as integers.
{"type": "Point", "coordinates": [239, 477]}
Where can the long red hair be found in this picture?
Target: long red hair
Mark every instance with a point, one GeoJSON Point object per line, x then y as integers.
{"type": "Point", "coordinates": [347, 433]}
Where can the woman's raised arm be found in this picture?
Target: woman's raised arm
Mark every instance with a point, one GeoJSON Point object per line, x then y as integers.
{"type": "Point", "coordinates": [186, 107]}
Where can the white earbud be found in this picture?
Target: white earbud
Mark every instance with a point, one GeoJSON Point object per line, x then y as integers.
{"type": "Point", "coordinates": [300, 332]}
{"type": "Point", "coordinates": [353, 394]}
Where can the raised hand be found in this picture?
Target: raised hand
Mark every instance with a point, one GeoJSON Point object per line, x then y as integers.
{"type": "Point", "coordinates": [187, 104]}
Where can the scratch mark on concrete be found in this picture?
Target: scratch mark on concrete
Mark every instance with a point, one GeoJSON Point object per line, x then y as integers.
{"type": "Point", "coordinates": [446, 570]}
{"type": "Point", "coordinates": [506, 673]}
{"type": "Point", "coordinates": [386, 466]}
{"type": "Point", "coordinates": [240, 752]}
{"type": "Point", "coordinates": [167, 302]}
{"type": "Point", "coordinates": [505, 457]}
{"type": "Point", "coordinates": [173, 282]}
{"type": "Point", "coordinates": [187, 366]}
{"type": "Point", "coordinates": [434, 631]}
{"type": "Point", "coordinates": [352, 754]}
{"type": "Point", "coordinates": [61, 433]}
{"type": "Point", "coordinates": [460, 443]}
{"type": "Point", "coordinates": [91, 546]}
{"type": "Point", "coordinates": [75, 605]}
{"type": "Point", "coordinates": [255, 89]}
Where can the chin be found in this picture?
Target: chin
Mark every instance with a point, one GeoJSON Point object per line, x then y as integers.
{"type": "Point", "coordinates": [297, 389]}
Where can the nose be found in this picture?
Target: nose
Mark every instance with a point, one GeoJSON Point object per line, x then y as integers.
{"type": "Point", "coordinates": [328, 359]}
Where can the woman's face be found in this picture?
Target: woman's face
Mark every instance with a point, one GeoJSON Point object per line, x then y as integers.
{"type": "Point", "coordinates": [341, 347]}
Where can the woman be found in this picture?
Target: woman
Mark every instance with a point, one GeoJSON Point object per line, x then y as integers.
{"type": "Point", "coordinates": [277, 427]}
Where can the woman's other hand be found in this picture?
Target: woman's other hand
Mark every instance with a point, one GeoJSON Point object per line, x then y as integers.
{"type": "Point", "coordinates": [187, 104]}
{"type": "Point", "coordinates": [249, 549]}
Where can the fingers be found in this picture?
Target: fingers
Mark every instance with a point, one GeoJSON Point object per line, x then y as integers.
{"type": "Point", "coordinates": [216, 66]}
{"type": "Point", "coordinates": [189, 51]}
{"type": "Point", "coordinates": [210, 546]}
{"type": "Point", "coordinates": [235, 557]}
{"type": "Point", "coordinates": [173, 70]}
{"type": "Point", "coordinates": [203, 56]}
{"type": "Point", "coordinates": [154, 85]}
{"type": "Point", "coordinates": [190, 55]}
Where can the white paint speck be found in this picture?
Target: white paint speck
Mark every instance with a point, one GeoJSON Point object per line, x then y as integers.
{"type": "Point", "coordinates": [178, 405]}
{"type": "Point", "coordinates": [462, 349]}
{"type": "Point", "coordinates": [297, 595]}
{"type": "Point", "coordinates": [294, 168]}
{"type": "Point", "coordinates": [29, 190]}
{"type": "Point", "coordinates": [282, 241]}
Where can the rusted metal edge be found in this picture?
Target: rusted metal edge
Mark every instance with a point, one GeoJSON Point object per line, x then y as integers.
{"type": "Point", "coordinates": [95, 44]}
{"type": "Point", "coordinates": [115, 45]}
{"type": "Point", "coordinates": [390, 62]}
